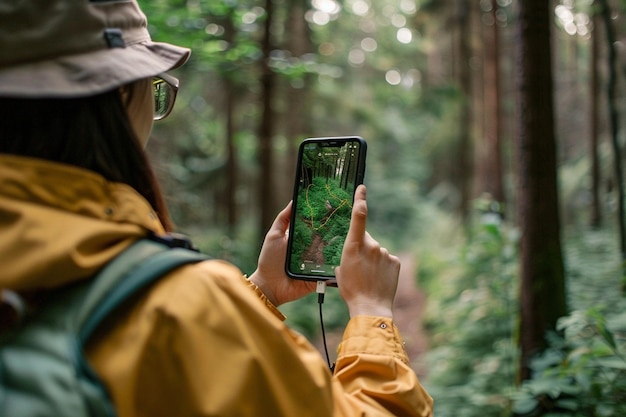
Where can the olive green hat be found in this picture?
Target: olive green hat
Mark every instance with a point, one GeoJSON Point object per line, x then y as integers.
{"type": "Point", "coordinates": [73, 48]}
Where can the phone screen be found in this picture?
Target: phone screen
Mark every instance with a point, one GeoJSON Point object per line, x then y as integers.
{"type": "Point", "coordinates": [328, 171]}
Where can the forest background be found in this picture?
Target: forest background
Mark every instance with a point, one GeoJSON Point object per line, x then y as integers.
{"type": "Point", "coordinates": [495, 134]}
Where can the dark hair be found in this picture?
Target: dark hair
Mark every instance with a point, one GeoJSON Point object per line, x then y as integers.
{"type": "Point", "coordinates": [90, 132]}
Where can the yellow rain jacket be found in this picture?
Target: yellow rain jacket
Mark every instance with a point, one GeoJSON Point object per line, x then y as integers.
{"type": "Point", "coordinates": [203, 341]}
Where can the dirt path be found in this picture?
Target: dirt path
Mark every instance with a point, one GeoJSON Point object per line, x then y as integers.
{"type": "Point", "coordinates": [408, 312]}
{"type": "Point", "coordinates": [315, 252]}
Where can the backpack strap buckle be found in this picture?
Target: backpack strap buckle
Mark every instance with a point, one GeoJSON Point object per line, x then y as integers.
{"type": "Point", "coordinates": [174, 240]}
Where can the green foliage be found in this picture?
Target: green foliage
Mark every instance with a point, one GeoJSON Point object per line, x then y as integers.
{"type": "Point", "coordinates": [472, 365]}
{"type": "Point", "coordinates": [221, 34]}
{"type": "Point", "coordinates": [304, 235]}
{"type": "Point", "coordinates": [238, 248]}
{"type": "Point", "coordinates": [339, 227]}
{"type": "Point", "coordinates": [584, 371]}
{"type": "Point", "coordinates": [472, 315]}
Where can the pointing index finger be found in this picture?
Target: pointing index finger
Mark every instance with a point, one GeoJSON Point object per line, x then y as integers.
{"type": "Point", "coordinates": [359, 215]}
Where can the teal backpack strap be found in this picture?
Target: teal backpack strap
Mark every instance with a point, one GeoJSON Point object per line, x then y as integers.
{"type": "Point", "coordinates": [137, 267]}
{"type": "Point", "coordinates": [133, 270]}
{"type": "Point", "coordinates": [43, 370]}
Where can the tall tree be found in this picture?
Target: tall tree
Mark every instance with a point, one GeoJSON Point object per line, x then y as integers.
{"type": "Point", "coordinates": [614, 123]}
{"type": "Point", "coordinates": [491, 175]}
{"type": "Point", "coordinates": [596, 209]}
{"type": "Point", "coordinates": [232, 170]}
{"type": "Point", "coordinates": [463, 168]}
{"type": "Point", "coordinates": [298, 43]}
{"type": "Point", "coordinates": [266, 125]}
{"type": "Point", "coordinates": [541, 261]}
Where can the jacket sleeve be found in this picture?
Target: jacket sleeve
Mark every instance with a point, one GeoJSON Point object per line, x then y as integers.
{"type": "Point", "coordinates": [372, 346]}
{"type": "Point", "coordinates": [203, 344]}
{"type": "Point", "coordinates": [373, 372]}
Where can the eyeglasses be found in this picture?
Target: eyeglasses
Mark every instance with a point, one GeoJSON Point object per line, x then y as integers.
{"type": "Point", "coordinates": [165, 89]}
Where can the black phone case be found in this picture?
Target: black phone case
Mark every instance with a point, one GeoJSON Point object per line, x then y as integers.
{"type": "Point", "coordinates": [334, 209]}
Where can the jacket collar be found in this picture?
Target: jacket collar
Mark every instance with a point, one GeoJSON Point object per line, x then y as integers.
{"type": "Point", "coordinates": [60, 223]}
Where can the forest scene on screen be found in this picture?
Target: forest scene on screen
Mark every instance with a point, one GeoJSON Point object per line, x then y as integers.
{"type": "Point", "coordinates": [323, 208]}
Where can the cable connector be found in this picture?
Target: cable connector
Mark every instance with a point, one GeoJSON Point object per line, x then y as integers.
{"type": "Point", "coordinates": [320, 289]}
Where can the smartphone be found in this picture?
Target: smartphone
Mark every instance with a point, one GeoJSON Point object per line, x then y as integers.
{"type": "Point", "coordinates": [327, 174]}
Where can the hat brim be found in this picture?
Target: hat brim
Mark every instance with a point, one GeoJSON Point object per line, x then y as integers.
{"type": "Point", "coordinates": [90, 73]}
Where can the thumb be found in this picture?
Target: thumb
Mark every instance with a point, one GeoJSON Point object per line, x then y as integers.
{"type": "Point", "coordinates": [281, 222]}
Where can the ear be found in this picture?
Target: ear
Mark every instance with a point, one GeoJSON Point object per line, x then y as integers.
{"type": "Point", "coordinates": [138, 99]}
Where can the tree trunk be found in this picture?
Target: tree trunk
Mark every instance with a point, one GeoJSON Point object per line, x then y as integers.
{"type": "Point", "coordinates": [232, 170]}
{"type": "Point", "coordinates": [491, 161]}
{"type": "Point", "coordinates": [298, 42]}
{"type": "Point", "coordinates": [596, 208]}
{"type": "Point", "coordinates": [463, 169]}
{"type": "Point", "coordinates": [266, 127]}
{"type": "Point", "coordinates": [541, 263]}
{"type": "Point", "coordinates": [614, 122]}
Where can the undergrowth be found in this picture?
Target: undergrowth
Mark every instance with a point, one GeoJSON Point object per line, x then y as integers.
{"type": "Point", "coordinates": [472, 317]}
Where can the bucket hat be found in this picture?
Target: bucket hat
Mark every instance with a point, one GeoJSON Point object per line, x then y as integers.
{"type": "Point", "coordinates": [73, 48]}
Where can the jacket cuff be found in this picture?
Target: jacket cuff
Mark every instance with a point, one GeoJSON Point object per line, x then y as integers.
{"type": "Point", "coordinates": [372, 335]}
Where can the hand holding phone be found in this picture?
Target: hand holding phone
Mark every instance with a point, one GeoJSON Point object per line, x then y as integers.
{"type": "Point", "coordinates": [328, 172]}
{"type": "Point", "coordinates": [368, 275]}
{"type": "Point", "coordinates": [270, 274]}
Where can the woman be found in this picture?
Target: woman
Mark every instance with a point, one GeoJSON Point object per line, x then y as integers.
{"type": "Point", "coordinates": [77, 98]}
